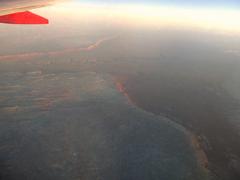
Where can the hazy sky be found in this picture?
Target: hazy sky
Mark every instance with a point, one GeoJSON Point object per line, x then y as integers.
{"type": "Point", "coordinates": [202, 3]}
{"type": "Point", "coordinates": [220, 15]}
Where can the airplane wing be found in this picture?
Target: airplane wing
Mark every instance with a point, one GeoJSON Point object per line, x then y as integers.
{"type": "Point", "coordinates": [17, 11]}
{"type": "Point", "coordinates": [23, 18]}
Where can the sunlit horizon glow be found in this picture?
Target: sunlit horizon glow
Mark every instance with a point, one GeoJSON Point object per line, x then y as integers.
{"type": "Point", "coordinates": [138, 15]}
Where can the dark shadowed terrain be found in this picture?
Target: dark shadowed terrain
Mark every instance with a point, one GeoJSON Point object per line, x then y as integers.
{"type": "Point", "coordinates": [190, 79]}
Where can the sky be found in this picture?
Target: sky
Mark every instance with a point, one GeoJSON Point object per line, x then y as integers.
{"type": "Point", "coordinates": [188, 3]}
{"type": "Point", "coordinates": [211, 15]}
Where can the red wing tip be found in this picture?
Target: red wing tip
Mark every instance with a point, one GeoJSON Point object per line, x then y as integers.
{"type": "Point", "coordinates": [23, 18]}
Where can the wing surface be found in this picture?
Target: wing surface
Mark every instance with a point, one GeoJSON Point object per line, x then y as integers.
{"type": "Point", "coordinates": [17, 11]}
{"type": "Point", "coordinates": [25, 17]}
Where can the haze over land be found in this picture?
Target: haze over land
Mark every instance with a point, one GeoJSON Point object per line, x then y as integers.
{"type": "Point", "coordinates": [121, 91]}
